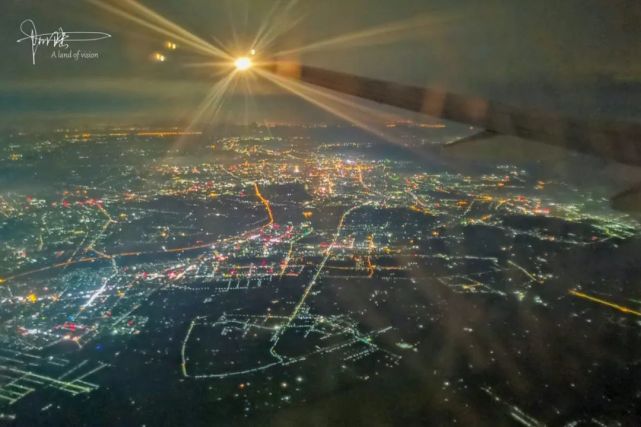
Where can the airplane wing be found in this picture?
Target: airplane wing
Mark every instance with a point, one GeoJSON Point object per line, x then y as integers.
{"type": "Point", "coordinates": [617, 141]}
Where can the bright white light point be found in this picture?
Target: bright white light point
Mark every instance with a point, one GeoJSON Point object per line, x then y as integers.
{"type": "Point", "coordinates": [243, 63]}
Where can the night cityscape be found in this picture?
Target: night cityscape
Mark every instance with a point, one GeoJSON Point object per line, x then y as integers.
{"type": "Point", "coordinates": [368, 270]}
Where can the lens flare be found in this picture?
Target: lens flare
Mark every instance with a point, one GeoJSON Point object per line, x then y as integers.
{"type": "Point", "coordinates": [243, 63]}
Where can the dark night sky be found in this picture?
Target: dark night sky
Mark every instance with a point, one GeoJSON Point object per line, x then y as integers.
{"type": "Point", "coordinates": [577, 56]}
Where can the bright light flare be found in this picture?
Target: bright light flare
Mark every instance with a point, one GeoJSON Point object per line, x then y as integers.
{"type": "Point", "coordinates": [243, 63]}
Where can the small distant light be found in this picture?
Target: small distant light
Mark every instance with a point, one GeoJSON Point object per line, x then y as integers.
{"type": "Point", "coordinates": [253, 52]}
{"type": "Point", "coordinates": [171, 45]}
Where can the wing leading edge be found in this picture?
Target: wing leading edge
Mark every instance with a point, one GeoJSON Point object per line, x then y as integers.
{"type": "Point", "coordinates": [613, 140]}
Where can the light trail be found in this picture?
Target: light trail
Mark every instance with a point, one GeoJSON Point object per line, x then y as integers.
{"type": "Point", "coordinates": [104, 228]}
{"type": "Point", "coordinates": [328, 253]}
{"type": "Point", "coordinates": [371, 268]}
{"type": "Point", "coordinates": [100, 290]}
{"type": "Point", "coordinates": [360, 179]}
{"type": "Point", "coordinates": [527, 273]}
{"type": "Point", "coordinates": [265, 202]}
{"type": "Point", "coordinates": [127, 288]}
{"type": "Point", "coordinates": [49, 267]}
{"type": "Point", "coordinates": [311, 284]}
{"type": "Point", "coordinates": [127, 254]}
{"type": "Point", "coordinates": [621, 308]}
{"type": "Point", "coordinates": [370, 247]}
{"type": "Point", "coordinates": [339, 329]}
{"type": "Point", "coordinates": [101, 254]}
{"type": "Point", "coordinates": [97, 236]}
{"type": "Point", "coordinates": [183, 348]}
{"type": "Point", "coordinates": [82, 242]}
{"type": "Point", "coordinates": [288, 257]}
{"type": "Point", "coordinates": [163, 134]}
{"type": "Point", "coordinates": [68, 386]}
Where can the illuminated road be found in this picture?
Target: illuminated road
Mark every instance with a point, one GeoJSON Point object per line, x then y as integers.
{"type": "Point", "coordinates": [618, 307]}
{"type": "Point", "coordinates": [265, 202]}
{"type": "Point", "coordinates": [328, 253]}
